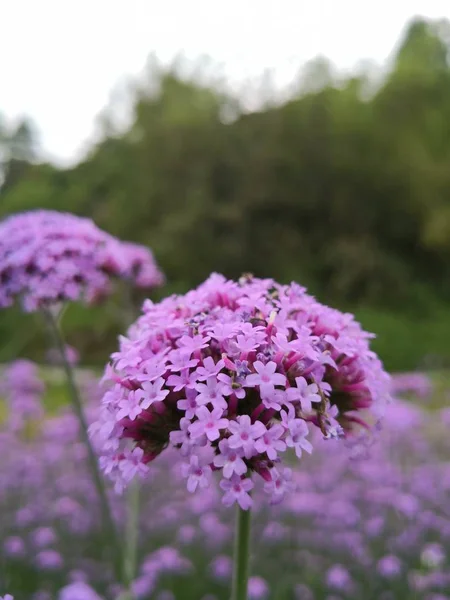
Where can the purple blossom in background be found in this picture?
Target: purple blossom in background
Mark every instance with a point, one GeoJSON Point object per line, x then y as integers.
{"type": "Point", "coordinates": [433, 556]}
{"type": "Point", "coordinates": [23, 390]}
{"type": "Point", "coordinates": [141, 267]}
{"type": "Point", "coordinates": [49, 560]}
{"type": "Point", "coordinates": [44, 536]}
{"type": "Point", "coordinates": [221, 567]}
{"type": "Point", "coordinates": [54, 357]}
{"type": "Point", "coordinates": [339, 578]}
{"type": "Point", "coordinates": [418, 384]}
{"type": "Point", "coordinates": [257, 588]}
{"type": "Point", "coordinates": [389, 566]}
{"type": "Point", "coordinates": [142, 587]}
{"type": "Point", "coordinates": [47, 257]}
{"type": "Point", "coordinates": [14, 546]}
{"type": "Point", "coordinates": [78, 591]}
{"type": "Point", "coordinates": [255, 363]}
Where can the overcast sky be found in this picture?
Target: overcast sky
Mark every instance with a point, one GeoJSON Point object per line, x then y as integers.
{"type": "Point", "coordinates": [61, 59]}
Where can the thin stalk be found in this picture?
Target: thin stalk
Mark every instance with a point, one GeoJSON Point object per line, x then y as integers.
{"type": "Point", "coordinates": [108, 521]}
{"type": "Point", "coordinates": [241, 555]}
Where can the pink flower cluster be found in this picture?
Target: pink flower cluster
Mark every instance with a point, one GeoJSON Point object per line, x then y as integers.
{"type": "Point", "coordinates": [141, 265]}
{"type": "Point", "coordinates": [48, 257]}
{"type": "Point", "coordinates": [234, 374]}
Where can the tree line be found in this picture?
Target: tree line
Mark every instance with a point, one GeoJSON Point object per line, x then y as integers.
{"type": "Point", "coordinates": [343, 188]}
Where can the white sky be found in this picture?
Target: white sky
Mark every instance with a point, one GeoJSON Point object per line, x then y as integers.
{"type": "Point", "coordinates": [61, 59]}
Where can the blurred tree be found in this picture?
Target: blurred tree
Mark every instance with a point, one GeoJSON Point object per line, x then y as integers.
{"type": "Point", "coordinates": [425, 47]}
{"type": "Point", "coordinates": [316, 75]}
{"type": "Point", "coordinates": [18, 150]}
{"type": "Point", "coordinates": [344, 187]}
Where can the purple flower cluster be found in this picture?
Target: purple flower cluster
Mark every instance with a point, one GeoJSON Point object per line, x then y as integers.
{"type": "Point", "coordinates": [234, 374]}
{"type": "Point", "coordinates": [48, 257]}
{"type": "Point", "coordinates": [141, 266]}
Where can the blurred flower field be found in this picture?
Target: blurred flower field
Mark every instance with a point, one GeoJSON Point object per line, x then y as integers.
{"type": "Point", "coordinates": [369, 521]}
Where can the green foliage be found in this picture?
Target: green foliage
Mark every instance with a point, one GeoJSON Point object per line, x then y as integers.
{"type": "Point", "coordinates": [345, 193]}
{"type": "Point", "coordinates": [406, 342]}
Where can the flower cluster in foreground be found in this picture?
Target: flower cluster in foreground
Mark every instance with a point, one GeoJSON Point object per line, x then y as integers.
{"type": "Point", "coordinates": [234, 374]}
{"type": "Point", "coordinates": [48, 256]}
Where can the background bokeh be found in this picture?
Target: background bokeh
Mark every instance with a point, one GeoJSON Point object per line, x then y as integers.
{"type": "Point", "coordinates": [340, 181]}
{"type": "Point", "coordinates": [343, 186]}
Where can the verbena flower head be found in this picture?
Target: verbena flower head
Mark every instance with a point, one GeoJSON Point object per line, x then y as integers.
{"type": "Point", "coordinates": [48, 257]}
{"type": "Point", "coordinates": [234, 374]}
{"type": "Point", "coordinates": [141, 265]}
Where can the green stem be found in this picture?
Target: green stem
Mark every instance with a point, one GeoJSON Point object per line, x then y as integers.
{"type": "Point", "coordinates": [241, 555]}
{"type": "Point", "coordinates": [108, 521]}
